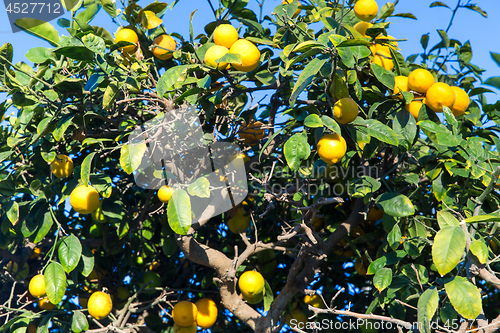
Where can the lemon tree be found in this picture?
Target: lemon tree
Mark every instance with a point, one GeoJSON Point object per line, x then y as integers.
{"type": "Point", "coordinates": [372, 175]}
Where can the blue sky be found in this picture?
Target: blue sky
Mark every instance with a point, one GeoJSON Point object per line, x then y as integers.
{"type": "Point", "coordinates": [468, 26]}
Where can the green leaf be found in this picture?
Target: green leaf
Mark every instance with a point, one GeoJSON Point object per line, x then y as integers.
{"type": "Point", "coordinates": [381, 132]}
{"type": "Point", "coordinates": [439, 4]}
{"type": "Point", "coordinates": [69, 252]}
{"type": "Point", "coordinates": [313, 121]}
{"type": "Point", "coordinates": [427, 306]}
{"type": "Point", "coordinates": [109, 7]}
{"type": "Point", "coordinates": [75, 52]}
{"type": "Point", "coordinates": [445, 219]}
{"type": "Point", "coordinates": [388, 259]}
{"type": "Point", "coordinates": [39, 54]}
{"type": "Point", "coordinates": [385, 77]}
{"type": "Point", "coordinates": [331, 124]}
{"type": "Point", "coordinates": [55, 282]}
{"type": "Point", "coordinates": [306, 77]}
{"type": "Point", "coordinates": [79, 322]}
{"type": "Point", "coordinates": [444, 38]}
{"type": "Point", "coordinates": [89, 13]}
{"type": "Point", "coordinates": [386, 11]}
{"type": "Point", "coordinates": [44, 229]}
{"type": "Point", "coordinates": [493, 81]}
{"type": "Point", "coordinates": [62, 126]}
{"type": "Point", "coordinates": [13, 212]}
{"type": "Point", "coordinates": [465, 297]}
{"type": "Point", "coordinates": [405, 125]}
{"type": "Point", "coordinates": [110, 95]}
{"type": "Point", "coordinates": [200, 188]}
{"type": "Point", "coordinates": [394, 237]}
{"type": "Point", "coordinates": [86, 167]}
{"type": "Point", "coordinates": [397, 205]}
{"type": "Point", "coordinates": [179, 212]}
{"type": "Point", "coordinates": [232, 58]}
{"type": "Point", "coordinates": [482, 218]}
{"type": "Point", "coordinates": [39, 29]}
{"type": "Point", "coordinates": [424, 40]}
{"type": "Point", "coordinates": [496, 58]}
{"type": "Point", "coordinates": [268, 296]}
{"type": "Point", "coordinates": [94, 43]}
{"type": "Point", "coordinates": [131, 156]}
{"type": "Point", "coordinates": [364, 186]}
{"type": "Point", "coordinates": [170, 77]}
{"type": "Point", "coordinates": [480, 250]}
{"type": "Point", "coordinates": [296, 149]}
{"type": "Point", "coordinates": [448, 248]}
{"type": "Point", "coordinates": [406, 15]}
{"type": "Point", "coordinates": [382, 278]}
{"type": "Point", "coordinates": [477, 9]}
{"type": "Point", "coordinates": [86, 264]}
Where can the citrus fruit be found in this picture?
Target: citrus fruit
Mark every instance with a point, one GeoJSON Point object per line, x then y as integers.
{"type": "Point", "coordinates": [252, 132]}
{"type": "Point", "coordinates": [296, 318]}
{"type": "Point", "coordinates": [37, 286]}
{"type": "Point", "coordinates": [414, 108]}
{"type": "Point", "coordinates": [184, 313]}
{"type": "Point", "coordinates": [438, 95]}
{"type": "Point", "coordinates": [44, 304]}
{"type": "Point", "coordinates": [216, 52]}
{"type": "Point", "coordinates": [127, 35]}
{"type": "Point", "coordinates": [164, 193]}
{"type": "Point", "coordinates": [99, 305]}
{"type": "Point", "coordinates": [250, 55]}
{"type": "Point", "coordinates": [98, 215]}
{"type": "Point", "coordinates": [345, 110]}
{"type": "Point", "coordinates": [375, 214]}
{"type": "Point", "coordinates": [384, 46]}
{"type": "Point", "coordinates": [31, 328]}
{"type": "Point", "coordinates": [314, 300]}
{"type": "Point", "coordinates": [84, 199]}
{"type": "Point", "coordinates": [254, 299]}
{"type": "Point", "coordinates": [207, 313]}
{"type": "Point", "coordinates": [163, 47]}
{"type": "Point", "coordinates": [251, 283]}
{"type": "Point", "coordinates": [185, 329]}
{"type": "Point", "coordinates": [267, 261]}
{"type": "Point", "coordinates": [420, 80]}
{"type": "Point", "coordinates": [239, 222]}
{"type": "Point", "coordinates": [317, 223]}
{"type": "Point", "coordinates": [287, 2]}
{"type": "Point", "coordinates": [154, 281]}
{"type": "Point", "coordinates": [36, 252]}
{"type": "Point", "coordinates": [95, 230]}
{"type": "Point", "coordinates": [154, 265]}
{"type": "Point", "coordinates": [461, 101]}
{"type": "Point", "coordinates": [383, 58]}
{"type": "Point", "coordinates": [17, 273]}
{"type": "Point", "coordinates": [331, 148]}
{"type": "Point", "coordinates": [361, 27]}
{"type": "Point", "coordinates": [62, 166]}
{"type": "Point", "coordinates": [400, 85]}
{"type": "Point", "coordinates": [225, 35]}
{"type": "Point", "coordinates": [360, 267]}
{"type": "Point", "coordinates": [366, 10]}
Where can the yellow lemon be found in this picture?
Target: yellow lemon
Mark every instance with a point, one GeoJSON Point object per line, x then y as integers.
{"type": "Point", "coordinates": [297, 12]}
{"type": "Point", "coordinates": [383, 58]}
{"type": "Point", "coordinates": [100, 305]}
{"type": "Point", "coordinates": [185, 329]}
{"type": "Point", "coordinates": [461, 101]}
{"type": "Point", "coordinates": [345, 110]}
{"type": "Point", "coordinates": [296, 318]}
{"type": "Point", "coordinates": [250, 55]}
{"type": "Point", "coordinates": [62, 166]}
{"type": "Point", "coordinates": [184, 313]}
{"type": "Point", "coordinates": [44, 304]}
{"type": "Point", "coordinates": [127, 35]}
{"type": "Point", "coordinates": [414, 108]}
{"type": "Point", "coordinates": [438, 95]}
{"type": "Point", "coordinates": [84, 199]}
{"type": "Point", "coordinates": [239, 222]}
{"type": "Point", "coordinates": [331, 148]}
{"type": "Point", "coordinates": [251, 283]}
{"type": "Point", "coordinates": [207, 313]}
{"type": "Point", "coordinates": [225, 35]}
{"type": "Point", "coordinates": [37, 286]}
{"type": "Point", "coordinates": [366, 10]}
{"type": "Point", "coordinates": [420, 80]}
{"type": "Point", "coordinates": [164, 193]}
{"type": "Point", "coordinates": [375, 214]}
{"type": "Point", "coordinates": [164, 45]}
{"type": "Point", "coordinates": [315, 300]}
{"type": "Point", "coordinates": [361, 27]}
{"type": "Point", "coordinates": [214, 53]}
{"type": "Point", "coordinates": [401, 84]}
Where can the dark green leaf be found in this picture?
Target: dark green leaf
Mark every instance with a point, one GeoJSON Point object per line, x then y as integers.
{"type": "Point", "coordinates": [306, 77]}
{"type": "Point", "coordinates": [382, 278]}
{"type": "Point", "coordinates": [385, 77]}
{"type": "Point", "coordinates": [79, 322]}
{"type": "Point", "coordinates": [55, 282]}
{"type": "Point", "coordinates": [69, 252]}
{"type": "Point", "coordinates": [110, 94]}
{"type": "Point", "coordinates": [40, 29]}
{"type": "Point", "coordinates": [86, 168]}
{"type": "Point", "coordinates": [296, 149]}
{"type": "Point", "coordinates": [381, 132]}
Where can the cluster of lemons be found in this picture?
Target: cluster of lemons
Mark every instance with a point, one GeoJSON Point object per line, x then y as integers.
{"type": "Point", "coordinates": [187, 315]}
{"type": "Point", "coordinates": [227, 41]}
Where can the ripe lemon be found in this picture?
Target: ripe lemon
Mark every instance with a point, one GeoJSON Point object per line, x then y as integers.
{"type": "Point", "coordinates": [252, 133]}
{"type": "Point", "coordinates": [36, 253]}
{"type": "Point", "coordinates": [127, 35]}
{"type": "Point", "coordinates": [216, 52]}
{"type": "Point", "coordinates": [438, 95]}
{"type": "Point", "coordinates": [254, 299]}
{"type": "Point", "coordinates": [207, 313]}
{"type": "Point", "coordinates": [239, 222]}
{"type": "Point", "coordinates": [420, 80]}
{"type": "Point", "coordinates": [362, 27]}
{"type": "Point", "coordinates": [366, 10]}
{"type": "Point", "coordinates": [315, 300]}
{"type": "Point", "coordinates": [251, 283]}
{"type": "Point", "coordinates": [84, 199]}
{"type": "Point", "coordinates": [461, 101]}
{"type": "Point", "coordinates": [414, 108]}
{"type": "Point", "coordinates": [100, 305]}
{"type": "Point", "coordinates": [298, 315]}
{"type": "Point", "coordinates": [345, 110]}
{"type": "Point", "coordinates": [375, 214]}
{"type": "Point", "coordinates": [184, 313]}
{"type": "Point", "coordinates": [185, 329]}
{"type": "Point", "coordinates": [166, 46]}
{"type": "Point", "coordinates": [37, 286]}
{"type": "Point", "coordinates": [154, 265]}
{"type": "Point", "coordinates": [44, 304]}
{"type": "Point", "coordinates": [401, 84]}
{"type": "Point", "coordinates": [384, 47]}
{"type": "Point", "coordinates": [331, 148]}
{"type": "Point", "coordinates": [297, 12]}
{"type": "Point", "coordinates": [164, 193]}
{"type": "Point", "coordinates": [225, 35]}
{"type": "Point", "coordinates": [62, 166]}
{"type": "Point", "coordinates": [383, 58]}
{"type": "Point", "coordinates": [250, 55]}
{"type": "Point", "coordinates": [154, 281]}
